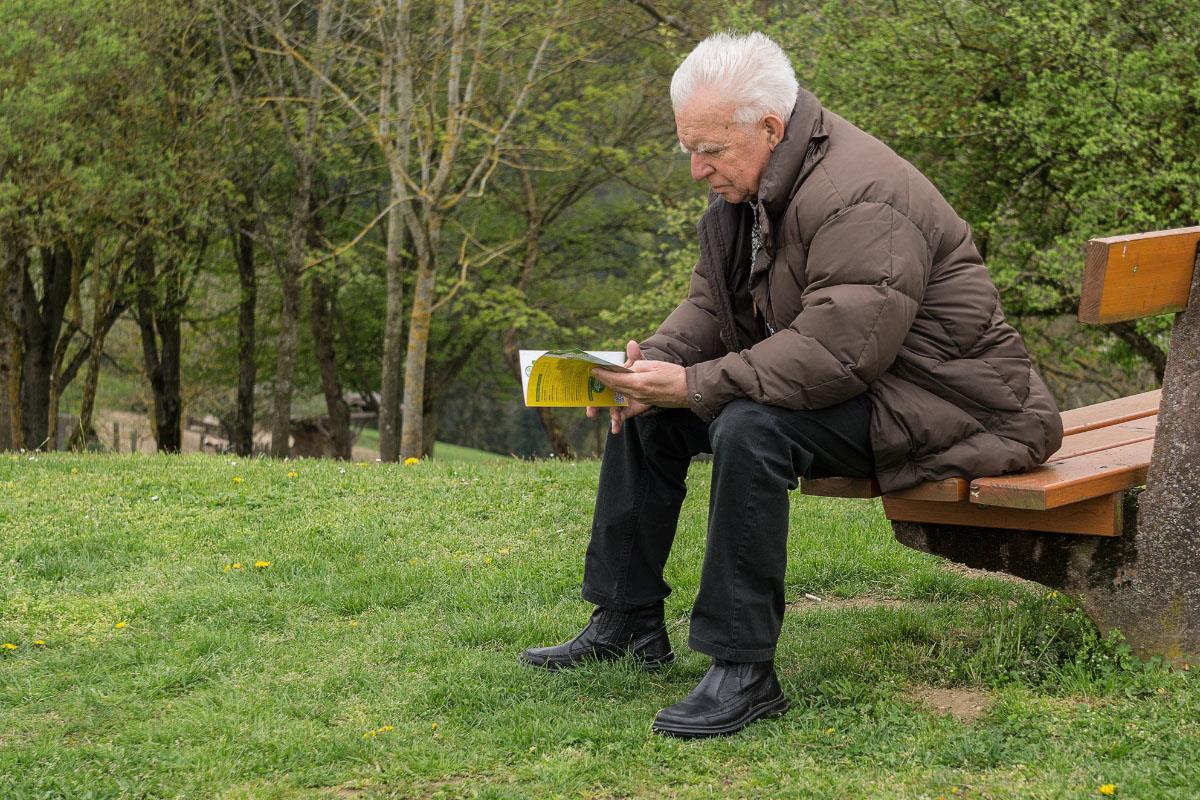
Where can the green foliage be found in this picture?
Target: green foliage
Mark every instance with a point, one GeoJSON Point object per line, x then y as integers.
{"type": "Point", "coordinates": [1044, 123]}
{"type": "Point", "coordinates": [667, 266]}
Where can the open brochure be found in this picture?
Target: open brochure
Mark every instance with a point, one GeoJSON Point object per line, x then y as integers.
{"type": "Point", "coordinates": [563, 378]}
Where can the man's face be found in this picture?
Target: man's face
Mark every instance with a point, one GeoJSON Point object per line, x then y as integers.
{"type": "Point", "coordinates": [731, 156]}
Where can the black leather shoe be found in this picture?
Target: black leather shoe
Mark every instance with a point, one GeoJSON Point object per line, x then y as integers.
{"type": "Point", "coordinates": [609, 635]}
{"type": "Point", "coordinates": [729, 697]}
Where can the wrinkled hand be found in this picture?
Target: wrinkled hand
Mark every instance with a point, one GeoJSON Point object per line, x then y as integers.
{"type": "Point", "coordinates": [652, 383]}
{"type": "Point", "coordinates": [618, 415]}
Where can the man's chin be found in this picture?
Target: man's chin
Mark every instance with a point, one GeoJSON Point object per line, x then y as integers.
{"type": "Point", "coordinates": [730, 195]}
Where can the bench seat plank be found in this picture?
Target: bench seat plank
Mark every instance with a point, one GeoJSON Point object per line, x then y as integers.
{"type": "Point", "coordinates": [1099, 516]}
{"type": "Point", "coordinates": [945, 491]}
{"type": "Point", "coordinates": [1070, 480]}
{"type": "Point", "coordinates": [1100, 439]}
{"type": "Point", "coordinates": [1100, 415]}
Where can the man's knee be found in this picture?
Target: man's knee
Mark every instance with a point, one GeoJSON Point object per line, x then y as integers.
{"type": "Point", "coordinates": [743, 423]}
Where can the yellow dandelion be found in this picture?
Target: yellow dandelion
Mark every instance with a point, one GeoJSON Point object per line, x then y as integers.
{"type": "Point", "coordinates": [433, 727]}
{"type": "Point", "coordinates": [293, 474]}
{"type": "Point", "coordinates": [120, 625]}
{"type": "Point", "coordinates": [413, 560]}
{"type": "Point", "coordinates": [237, 480]}
{"type": "Point", "coordinates": [353, 623]}
{"type": "Point", "coordinates": [410, 461]}
{"type": "Point", "coordinates": [1108, 789]}
{"type": "Point", "coordinates": [237, 565]}
{"type": "Point", "coordinates": [261, 564]}
{"type": "Point", "coordinates": [503, 551]}
{"type": "Point", "coordinates": [386, 728]}
{"type": "Point", "coordinates": [39, 643]}
{"type": "Point", "coordinates": [953, 790]}
{"type": "Point", "coordinates": [487, 559]}
{"type": "Point", "coordinates": [829, 730]}
{"type": "Point", "coordinates": [369, 734]}
{"type": "Point", "coordinates": [9, 646]}
{"type": "Point", "coordinates": [74, 471]}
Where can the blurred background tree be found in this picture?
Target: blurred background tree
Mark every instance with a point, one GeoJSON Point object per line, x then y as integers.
{"type": "Point", "coordinates": [268, 219]}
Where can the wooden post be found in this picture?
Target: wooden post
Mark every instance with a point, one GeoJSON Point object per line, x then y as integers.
{"type": "Point", "coordinates": [116, 437]}
{"type": "Point", "coordinates": [133, 441]}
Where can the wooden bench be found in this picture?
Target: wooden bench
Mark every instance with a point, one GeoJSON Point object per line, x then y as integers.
{"type": "Point", "coordinates": [1080, 523]}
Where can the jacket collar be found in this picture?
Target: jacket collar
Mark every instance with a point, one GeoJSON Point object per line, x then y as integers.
{"type": "Point", "coordinates": [789, 164]}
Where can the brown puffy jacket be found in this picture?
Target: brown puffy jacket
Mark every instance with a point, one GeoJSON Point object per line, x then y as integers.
{"type": "Point", "coordinates": [869, 282]}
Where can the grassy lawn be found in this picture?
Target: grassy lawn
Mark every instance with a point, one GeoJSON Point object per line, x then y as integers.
{"type": "Point", "coordinates": [442, 451]}
{"type": "Point", "coordinates": [372, 651]}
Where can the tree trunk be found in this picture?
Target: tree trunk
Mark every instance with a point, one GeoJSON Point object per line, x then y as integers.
{"type": "Point", "coordinates": [412, 435]}
{"type": "Point", "coordinates": [106, 307]}
{"type": "Point", "coordinates": [559, 442]}
{"type": "Point", "coordinates": [393, 336]}
{"type": "Point", "coordinates": [285, 361]}
{"type": "Point", "coordinates": [11, 344]}
{"type": "Point", "coordinates": [42, 320]}
{"type": "Point", "coordinates": [243, 247]}
{"type": "Point", "coordinates": [331, 384]}
{"type": "Point", "coordinates": [158, 318]}
{"type": "Point", "coordinates": [285, 365]}
{"type": "Point", "coordinates": [169, 407]}
{"type": "Point", "coordinates": [91, 382]}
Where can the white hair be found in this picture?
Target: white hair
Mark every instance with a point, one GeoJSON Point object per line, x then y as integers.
{"type": "Point", "coordinates": [750, 71]}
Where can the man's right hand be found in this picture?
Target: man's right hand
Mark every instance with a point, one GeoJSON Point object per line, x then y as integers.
{"type": "Point", "coordinates": [619, 414]}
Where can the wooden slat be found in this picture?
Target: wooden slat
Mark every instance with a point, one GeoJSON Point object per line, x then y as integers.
{"type": "Point", "coordinates": [1061, 483]}
{"type": "Point", "coordinates": [950, 490]}
{"type": "Point", "coordinates": [1091, 429]}
{"type": "Point", "coordinates": [1100, 439]}
{"type": "Point", "coordinates": [946, 491]}
{"type": "Point", "coordinates": [1129, 277]}
{"type": "Point", "coordinates": [840, 487]}
{"type": "Point", "coordinates": [1099, 516]}
{"type": "Point", "coordinates": [1111, 412]}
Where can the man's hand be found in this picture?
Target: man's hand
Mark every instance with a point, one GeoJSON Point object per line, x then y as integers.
{"type": "Point", "coordinates": [633, 353]}
{"type": "Point", "coordinates": [652, 383]}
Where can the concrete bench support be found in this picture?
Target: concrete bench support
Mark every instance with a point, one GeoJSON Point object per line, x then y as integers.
{"type": "Point", "coordinates": [1145, 582]}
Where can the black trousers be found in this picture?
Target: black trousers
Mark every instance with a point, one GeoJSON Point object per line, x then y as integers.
{"type": "Point", "coordinates": [758, 453]}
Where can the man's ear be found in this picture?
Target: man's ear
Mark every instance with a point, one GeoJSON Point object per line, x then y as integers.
{"type": "Point", "coordinates": [774, 128]}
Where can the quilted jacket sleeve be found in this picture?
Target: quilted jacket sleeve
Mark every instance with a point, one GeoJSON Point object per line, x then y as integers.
{"type": "Point", "coordinates": [691, 333]}
{"type": "Point", "coordinates": [866, 272]}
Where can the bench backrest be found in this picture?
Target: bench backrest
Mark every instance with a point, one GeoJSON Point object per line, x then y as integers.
{"type": "Point", "coordinates": [1140, 275]}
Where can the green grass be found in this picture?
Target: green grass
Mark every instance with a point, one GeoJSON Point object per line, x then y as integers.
{"type": "Point", "coordinates": [442, 451]}
{"type": "Point", "coordinates": [397, 598]}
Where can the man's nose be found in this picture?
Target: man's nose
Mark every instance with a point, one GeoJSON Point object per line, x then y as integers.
{"type": "Point", "coordinates": [700, 167]}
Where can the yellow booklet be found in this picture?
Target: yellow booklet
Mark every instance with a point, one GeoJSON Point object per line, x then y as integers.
{"type": "Point", "coordinates": [563, 378]}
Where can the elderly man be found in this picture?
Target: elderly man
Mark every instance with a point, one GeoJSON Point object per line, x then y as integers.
{"type": "Point", "coordinates": [839, 321]}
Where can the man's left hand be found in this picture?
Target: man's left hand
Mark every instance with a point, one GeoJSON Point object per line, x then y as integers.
{"type": "Point", "coordinates": [655, 383]}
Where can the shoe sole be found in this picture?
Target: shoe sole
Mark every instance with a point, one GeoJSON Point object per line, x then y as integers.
{"type": "Point", "coordinates": [649, 664]}
{"type": "Point", "coordinates": [769, 708]}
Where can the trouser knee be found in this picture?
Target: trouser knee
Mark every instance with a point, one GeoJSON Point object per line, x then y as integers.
{"type": "Point", "coordinates": [743, 424]}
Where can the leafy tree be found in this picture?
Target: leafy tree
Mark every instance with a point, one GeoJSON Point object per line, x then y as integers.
{"type": "Point", "coordinates": [1045, 123]}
